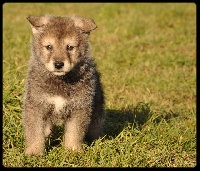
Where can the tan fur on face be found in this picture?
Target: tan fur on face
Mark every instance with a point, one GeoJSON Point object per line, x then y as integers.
{"type": "Point", "coordinates": [59, 53]}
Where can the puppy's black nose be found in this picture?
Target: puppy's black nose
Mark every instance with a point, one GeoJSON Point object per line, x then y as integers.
{"type": "Point", "coordinates": [58, 64]}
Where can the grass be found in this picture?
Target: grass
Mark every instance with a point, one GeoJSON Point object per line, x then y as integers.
{"type": "Point", "coordinates": [146, 53]}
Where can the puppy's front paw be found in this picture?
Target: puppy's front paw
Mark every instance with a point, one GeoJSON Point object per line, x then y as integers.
{"type": "Point", "coordinates": [34, 150]}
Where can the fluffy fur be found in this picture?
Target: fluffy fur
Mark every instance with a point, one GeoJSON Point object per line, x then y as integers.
{"type": "Point", "coordinates": [62, 84]}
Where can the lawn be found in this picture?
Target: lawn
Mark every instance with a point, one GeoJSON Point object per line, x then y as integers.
{"type": "Point", "coordinates": [146, 54]}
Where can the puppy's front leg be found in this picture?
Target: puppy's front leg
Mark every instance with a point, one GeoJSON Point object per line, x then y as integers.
{"type": "Point", "coordinates": [34, 132]}
{"type": "Point", "coordinates": [75, 129]}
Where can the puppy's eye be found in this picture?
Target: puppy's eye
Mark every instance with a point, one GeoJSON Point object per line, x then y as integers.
{"type": "Point", "coordinates": [69, 48]}
{"type": "Point", "coordinates": [49, 47]}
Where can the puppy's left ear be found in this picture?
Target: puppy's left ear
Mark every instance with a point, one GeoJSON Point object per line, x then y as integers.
{"type": "Point", "coordinates": [85, 24]}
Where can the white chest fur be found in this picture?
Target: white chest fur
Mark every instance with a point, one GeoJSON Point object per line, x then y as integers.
{"type": "Point", "coordinates": [58, 101]}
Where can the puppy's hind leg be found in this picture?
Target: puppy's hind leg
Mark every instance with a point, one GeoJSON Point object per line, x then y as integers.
{"type": "Point", "coordinates": [95, 130]}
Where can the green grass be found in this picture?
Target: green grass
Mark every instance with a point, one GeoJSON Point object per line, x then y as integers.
{"type": "Point", "coordinates": [146, 54]}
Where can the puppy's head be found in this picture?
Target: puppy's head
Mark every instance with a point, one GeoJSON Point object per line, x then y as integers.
{"type": "Point", "coordinates": [60, 42]}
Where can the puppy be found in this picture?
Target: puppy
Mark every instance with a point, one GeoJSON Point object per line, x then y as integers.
{"type": "Point", "coordinates": [62, 85]}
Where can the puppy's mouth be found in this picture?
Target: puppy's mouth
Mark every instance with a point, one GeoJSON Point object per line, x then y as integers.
{"type": "Point", "coordinates": [59, 73]}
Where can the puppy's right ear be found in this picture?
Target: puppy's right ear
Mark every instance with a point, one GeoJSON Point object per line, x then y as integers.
{"type": "Point", "coordinates": [37, 23]}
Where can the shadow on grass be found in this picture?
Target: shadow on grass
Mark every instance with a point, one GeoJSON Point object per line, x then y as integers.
{"type": "Point", "coordinates": [117, 120]}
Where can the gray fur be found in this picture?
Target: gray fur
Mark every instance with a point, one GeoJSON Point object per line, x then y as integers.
{"type": "Point", "coordinates": [71, 94]}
